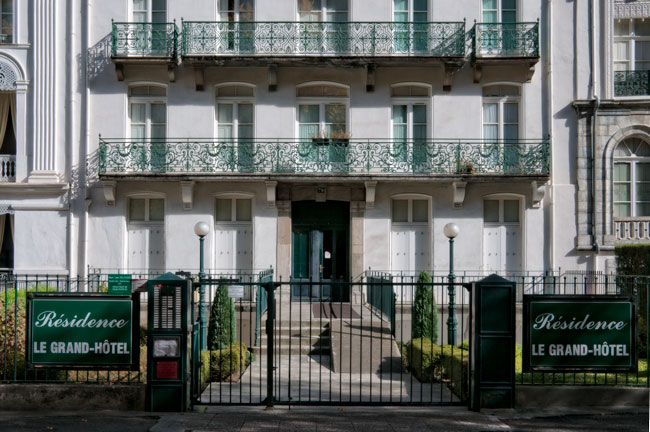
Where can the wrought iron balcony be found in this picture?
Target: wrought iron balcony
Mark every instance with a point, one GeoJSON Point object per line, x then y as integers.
{"type": "Point", "coordinates": [7, 168]}
{"type": "Point", "coordinates": [505, 40]}
{"type": "Point", "coordinates": [632, 83]}
{"type": "Point", "coordinates": [359, 39]}
{"type": "Point", "coordinates": [144, 40]}
{"type": "Point", "coordinates": [321, 156]}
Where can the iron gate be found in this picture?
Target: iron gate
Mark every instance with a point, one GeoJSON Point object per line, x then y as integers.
{"type": "Point", "coordinates": [387, 345]}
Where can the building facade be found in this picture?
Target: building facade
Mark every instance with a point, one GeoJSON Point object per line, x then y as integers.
{"type": "Point", "coordinates": [322, 138]}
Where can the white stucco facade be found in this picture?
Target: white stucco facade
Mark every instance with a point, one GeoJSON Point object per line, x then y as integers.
{"type": "Point", "coordinates": [72, 212]}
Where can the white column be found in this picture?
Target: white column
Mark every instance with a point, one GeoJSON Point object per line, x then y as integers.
{"type": "Point", "coordinates": [21, 128]}
{"type": "Point", "coordinates": [45, 50]}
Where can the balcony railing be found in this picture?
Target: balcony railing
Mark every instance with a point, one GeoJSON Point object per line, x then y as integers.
{"type": "Point", "coordinates": [324, 156]}
{"type": "Point", "coordinates": [144, 40]}
{"type": "Point", "coordinates": [632, 83]}
{"type": "Point", "coordinates": [7, 168]}
{"type": "Point", "coordinates": [433, 39]}
{"type": "Point", "coordinates": [506, 40]}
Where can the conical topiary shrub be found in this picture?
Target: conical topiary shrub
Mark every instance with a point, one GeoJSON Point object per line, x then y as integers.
{"type": "Point", "coordinates": [425, 312]}
{"type": "Point", "coordinates": [222, 328]}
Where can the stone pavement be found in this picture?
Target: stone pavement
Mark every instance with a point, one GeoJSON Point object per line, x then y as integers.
{"type": "Point", "coordinates": [332, 419]}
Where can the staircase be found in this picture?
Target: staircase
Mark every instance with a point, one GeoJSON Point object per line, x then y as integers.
{"type": "Point", "coordinates": [296, 338]}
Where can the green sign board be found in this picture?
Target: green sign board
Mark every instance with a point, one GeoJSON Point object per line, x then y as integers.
{"type": "Point", "coordinates": [119, 284]}
{"type": "Point", "coordinates": [578, 333]}
{"type": "Point", "coordinates": [89, 332]}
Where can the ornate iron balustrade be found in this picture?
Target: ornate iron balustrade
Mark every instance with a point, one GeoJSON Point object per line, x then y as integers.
{"type": "Point", "coordinates": [7, 168]}
{"type": "Point", "coordinates": [432, 39]}
{"type": "Point", "coordinates": [324, 156]}
{"type": "Point", "coordinates": [144, 39]}
{"type": "Point", "coordinates": [496, 40]}
{"type": "Point", "coordinates": [632, 83]}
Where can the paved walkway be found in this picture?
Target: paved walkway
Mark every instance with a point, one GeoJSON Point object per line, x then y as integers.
{"type": "Point", "coordinates": [331, 419]}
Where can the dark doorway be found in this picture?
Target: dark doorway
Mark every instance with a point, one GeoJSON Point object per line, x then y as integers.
{"type": "Point", "coordinates": [321, 237]}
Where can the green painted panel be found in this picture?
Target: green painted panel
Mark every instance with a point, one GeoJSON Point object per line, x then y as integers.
{"type": "Point", "coordinates": [300, 254]}
{"type": "Point", "coordinates": [93, 331]}
{"type": "Point", "coordinates": [580, 332]}
{"type": "Point", "coordinates": [496, 302]}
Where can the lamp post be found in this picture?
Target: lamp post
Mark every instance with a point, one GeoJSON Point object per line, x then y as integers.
{"type": "Point", "coordinates": [202, 229]}
{"type": "Point", "coordinates": [451, 231]}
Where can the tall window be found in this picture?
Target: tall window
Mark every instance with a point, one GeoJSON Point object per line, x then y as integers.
{"type": "Point", "coordinates": [632, 45]}
{"type": "Point", "coordinates": [237, 18]}
{"type": "Point", "coordinates": [7, 16]}
{"type": "Point", "coordinates": [499, 11]}
{"type": "Point", "coordinates": [632, 179]}
{"type": "Point", "coordinates": [235, 123]}
{"type": "Point", "coordinates": [500, 112]}
{"type": "Point", "coordinates": [148, 125]}
{"type": "Point", "coordinates": [149, 11]}
{"type": "Point", "coordinates": [146, 234]}
{"type": "Point", "coordinates": [322, 123]}
{"type": "Point", "coordinates": [410, 123]}
{"type": "Point", "coordinates": [325, 29]}
{"type": "Point", "coordinates": [410, 17]}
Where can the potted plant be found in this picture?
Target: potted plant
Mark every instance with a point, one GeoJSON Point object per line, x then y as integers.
{"type": "Point", "coordinates": [466, 167]}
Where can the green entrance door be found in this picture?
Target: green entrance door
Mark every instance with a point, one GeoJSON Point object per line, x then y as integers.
{"type": "Point", "coordinates": [320, 250]}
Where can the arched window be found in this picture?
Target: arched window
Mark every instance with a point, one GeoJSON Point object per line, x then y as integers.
{"type": "Point", "coordinates": [632, 178]}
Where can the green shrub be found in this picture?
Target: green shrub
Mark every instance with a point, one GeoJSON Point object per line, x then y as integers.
{"type": "Point", "coordinates": [222, 327]}
{"type": "Point", "coordinates": [425, 312]}
{"type": "Point", "coordinates": [634, 260]}
{"type": "Point", "coordinates": [429, 362]}
{"type": "Point", "coordinates": [220, 365]}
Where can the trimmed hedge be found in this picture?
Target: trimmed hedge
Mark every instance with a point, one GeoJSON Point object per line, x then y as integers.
{"type": "Point", "coordinates": [429, 362]}
{"type": "Point", "coordinates": [425, 312]}
{"type": "Point", "coordinates": [220, 365]}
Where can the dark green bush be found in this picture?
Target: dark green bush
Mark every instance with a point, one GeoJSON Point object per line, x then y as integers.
{"type": "Point", "coordinates": [222, 364]}
{"type": "Point", "coordinates": [425, 312]}
{"type": "Point", "coordinates": [429, 362]}
{"type": "Point", "coordinates": [222, 327]}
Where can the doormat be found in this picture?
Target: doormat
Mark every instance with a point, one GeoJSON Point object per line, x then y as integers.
{"type": "Point", "coordinates": [334, 311]}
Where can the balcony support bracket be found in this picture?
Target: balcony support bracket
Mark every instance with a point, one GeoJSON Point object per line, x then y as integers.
{"type": "Point", "coordinates": [119, 71]}
{"type": "Point", "coordinates": [199, 77]}
{"type": "Point", "coordinates": [187, 194]}
{"type": "Point", "coordinates": [370, 77]}
{"type": "Point", "coordinates": [458, 190]}
{"type": "Point", "coordinates": [370, 194]}
{"type": "Point", "coordinates": [538, 192]}
{"type": "Point", "coordinates": [450, 71]}
{"type": "Point", "coordinates": [530, 71]}
{"type": "Point", "coordinates": [478, 73]}
{"type": "Point", "coordinates": [273, 77]}
{"type": "Point", "coordinates": [270, 193]}
{"type": "Point", "coordinates": [171, 72]}
{"type": "Point", "coordinates": [109, 192]}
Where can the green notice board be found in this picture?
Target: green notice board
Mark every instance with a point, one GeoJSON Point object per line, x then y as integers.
{"type": "Point", "coordinates": [579, 333]}
{"type": "Point", "coordinates": [75, 331]}
{"type": "Point", "coordinates": [119, 284]}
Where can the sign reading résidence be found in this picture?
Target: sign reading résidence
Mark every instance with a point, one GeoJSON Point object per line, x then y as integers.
{"type": "Point", "coordinates": [579, 333]}
{"type": "Point", "coordinates": [89, 332]}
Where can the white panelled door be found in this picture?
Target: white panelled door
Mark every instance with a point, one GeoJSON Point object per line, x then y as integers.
{"type": "Point", "coordinates": [146, 248]}
{"type": "Point", "coordinates": [234, 245]}
{"type": "Point", "coordinates": [502, 240]}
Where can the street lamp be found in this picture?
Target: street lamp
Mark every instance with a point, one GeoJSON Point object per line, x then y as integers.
{"type": "Point", "coordinates": [451, 230]}
{"type": "Point", "coordinates": [202, 229]}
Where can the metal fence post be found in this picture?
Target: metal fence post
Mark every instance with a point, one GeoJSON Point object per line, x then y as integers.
{"type": "Point", "coordinates": [270, 322]}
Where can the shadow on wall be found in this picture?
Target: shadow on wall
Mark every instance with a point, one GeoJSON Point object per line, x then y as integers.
{"type": "Point", "coordinates": [98, 57]}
